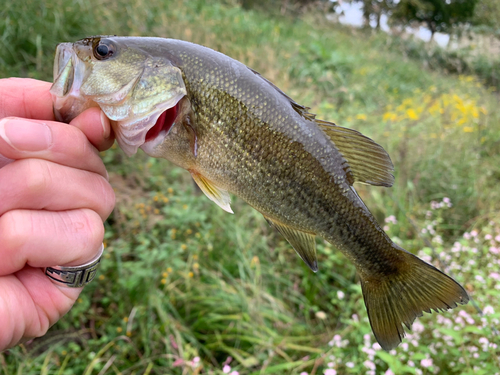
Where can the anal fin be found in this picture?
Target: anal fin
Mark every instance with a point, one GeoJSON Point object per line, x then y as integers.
{"type": "Point", "coordinates": [304, 243]}
{"type": "Point", "coordinates": [218, 196]}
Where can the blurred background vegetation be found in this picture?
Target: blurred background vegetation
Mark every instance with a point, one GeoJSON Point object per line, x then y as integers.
{"type": "Point", "coordinates": [187, 289]}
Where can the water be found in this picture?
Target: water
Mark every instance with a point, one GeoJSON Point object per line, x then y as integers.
{"type": "Point", "coordinates": [353, 15]}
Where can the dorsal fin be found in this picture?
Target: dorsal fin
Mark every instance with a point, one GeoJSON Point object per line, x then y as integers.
{"type": "Point", "coordinates": [215, 194]}
{"type": "Point", "coordinates": [300, 109]}
{"type": "Point", "coordinates": [369, 162]}
{"type": "Point", "coordinates": [303, 243]}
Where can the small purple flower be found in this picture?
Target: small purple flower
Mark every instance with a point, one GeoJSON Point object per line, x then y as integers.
{"type": "Point", "coordinates": [426, 362]}
{"type": "Point", "coordinates": [488, 310]}
{"type": "Point", "coordinates": [370, 365]}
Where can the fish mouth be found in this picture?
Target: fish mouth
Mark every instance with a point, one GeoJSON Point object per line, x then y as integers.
{"type": "Point", "coordinates": [163, 124]}
{"type": "Point", "coordinates": [69, 73]}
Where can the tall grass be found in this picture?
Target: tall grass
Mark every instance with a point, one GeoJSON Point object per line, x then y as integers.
{"type": "Point", "coordinates": [187, 289]}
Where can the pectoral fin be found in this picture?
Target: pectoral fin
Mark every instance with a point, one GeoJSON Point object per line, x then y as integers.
{"type": "Point", "coordinates": [303, 243]}
{"type": "Point", "coordinates": [215, 194]}
{"type": "Point", "coordinates": [369, 162]}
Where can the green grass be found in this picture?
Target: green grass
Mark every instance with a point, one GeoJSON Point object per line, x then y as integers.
{"type": "Point", "coordinates": [183, 280]}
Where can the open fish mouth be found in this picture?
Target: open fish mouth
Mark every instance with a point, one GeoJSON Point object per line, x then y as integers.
{"type": "Point", "coordinates": [138, 110]}
{"type": "Point", "coordinates": [163, 124]}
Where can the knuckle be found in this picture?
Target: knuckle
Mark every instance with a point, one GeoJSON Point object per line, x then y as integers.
{"type": "Point", "coordinates": [13, 231]}
{"type": "Point", "coordinates": [92, 225]}
{"type": "Point", "coordinates": [107, 197]}
{"type": "Point", "coordinates": [38, 176]}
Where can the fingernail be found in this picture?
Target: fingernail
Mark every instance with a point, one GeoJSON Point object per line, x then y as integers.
{"type": "Point", "coordinates": [25, 135]}
{"type": "Point", "coordinates": [105, 125]}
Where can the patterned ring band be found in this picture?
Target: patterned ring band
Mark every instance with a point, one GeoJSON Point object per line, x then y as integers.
{"type": "Point", "coordinates": [75, 276]}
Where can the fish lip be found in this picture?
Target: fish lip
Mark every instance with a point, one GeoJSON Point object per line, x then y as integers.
{"type": "Point", "coordinates": [69, 73]}
{"type": "Point", "coordinates": [63, 55]}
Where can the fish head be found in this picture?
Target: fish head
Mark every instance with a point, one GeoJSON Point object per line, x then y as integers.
{"type": "Point", "coordinates": [131, 81]}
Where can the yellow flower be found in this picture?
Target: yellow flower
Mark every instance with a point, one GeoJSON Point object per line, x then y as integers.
{"type": "Point", "coordinates": [255, 260]}
{"type": "Point", "coordinates": [125, 319]}
{"type": "Point", "coordinates": [468, 129]}
{"type": "Point", "coordinates": [412, 115]}
{"type": "Point", "coordinates": [183, 246]}
{"type": "Point", "coordinates": [163, 281]}
{"type": "Point", "coordinates": [190, 274]}
{"type": "Point", "coordinates": [361, 116]}
{"type": "Point", "coordinates": [169, 269]}
{"type": "Point", "coordinates": [119, 329]}
{"type": "Point", "coordinates": [196, 266]}
{"type": "Point", "coordinates": [170, 190]}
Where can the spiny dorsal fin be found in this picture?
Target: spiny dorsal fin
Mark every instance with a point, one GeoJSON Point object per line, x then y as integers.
{"type": "Point", "coordinates": [300, 109]}
{"type": "Point", "coordinates": [369, 162]}
{"type": "Point", "coordinates": [215, 194]}
{"type": "Point", "coordinates": [399, 297]}
{"type": "Point", "coordinates": [303, 243]}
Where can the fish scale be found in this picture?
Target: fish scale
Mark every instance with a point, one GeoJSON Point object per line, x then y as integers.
{"type": "Point", "coordinates": [236, 132]}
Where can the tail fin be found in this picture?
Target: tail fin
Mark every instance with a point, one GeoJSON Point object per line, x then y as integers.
{"type": "Point", "coordinates": [400, 297]}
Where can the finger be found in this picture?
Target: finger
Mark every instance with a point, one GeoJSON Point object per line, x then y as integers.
{"type": "Point", "coordinates": [31, 304]}
{"type": "Point", "coordinates": [42, 185]}
{"type": "Point", "coordinates": [44, 238]}
{"type": "Point", "coordinates": [51, 141]}
{"type": "Point", "coordinates": [96, 127]}
{"type": "Point", "coordinates": [25, 97]}
{"type": "Point", "coordinates": [4, 161]}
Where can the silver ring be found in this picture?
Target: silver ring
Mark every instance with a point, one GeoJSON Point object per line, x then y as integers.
{"type": "Point", "coordinates": [75, 276]}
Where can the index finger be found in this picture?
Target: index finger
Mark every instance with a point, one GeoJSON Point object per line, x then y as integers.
{"type": "Point", "coordinates": [36, 101]}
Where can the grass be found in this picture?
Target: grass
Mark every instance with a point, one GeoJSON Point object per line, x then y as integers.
{"type": "Point", "coordinates": [188, 289]}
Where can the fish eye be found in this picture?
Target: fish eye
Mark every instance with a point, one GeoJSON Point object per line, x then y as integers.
{"type": "Point", "coordinates": [103, 51]}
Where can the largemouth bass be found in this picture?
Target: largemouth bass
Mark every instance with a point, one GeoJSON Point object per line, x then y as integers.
{"type": "Point", "coordinates": [236, 132]}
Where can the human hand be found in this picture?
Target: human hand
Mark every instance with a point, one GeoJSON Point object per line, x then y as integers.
{"type": "Point", "coordinates": [55, 197]}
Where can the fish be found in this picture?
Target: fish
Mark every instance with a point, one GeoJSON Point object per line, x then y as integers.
{"type": "Point", "coordinates": [237, 133]}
